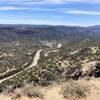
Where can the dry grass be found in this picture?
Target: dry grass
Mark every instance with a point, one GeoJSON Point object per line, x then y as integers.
{"type": "Point", "coordinates": [32, 91]}
{"type": "Point", "coordinates": [70, 90]}
{"type": "Point", "coordinates": [28, 91]}
{"type": "Point", "coordinates": [16, 96]}
{"type": "Point", "coordinates": [74, 90]}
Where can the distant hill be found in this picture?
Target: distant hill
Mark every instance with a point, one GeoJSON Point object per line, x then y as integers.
{"type": "Point", "coordinates": [46, 32]}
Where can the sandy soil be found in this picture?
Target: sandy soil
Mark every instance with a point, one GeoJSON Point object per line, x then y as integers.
{"type": "Point", "coordinates": [54, 92]}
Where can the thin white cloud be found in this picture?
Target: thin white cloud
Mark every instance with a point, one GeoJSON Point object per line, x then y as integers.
{"type": "Point", "coordinates": [58, 10]}
{"type": "Point", "coordinates": [66, 1]}
{"type": "Point", "coordinates": [48, 1]}
{"type": "Point", "coordinates": [82, 12]}
{"type": "Point", "coordinates": [54, 1]}
{"type": "Point", "coordinates": [90, 1]}
{"type": "Point", "coordinates": [8, 8]}
{"type": "Point", "coordinates": [25, 8]}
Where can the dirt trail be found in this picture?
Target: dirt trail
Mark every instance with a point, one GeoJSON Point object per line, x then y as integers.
{"type": "Point", "coordinates": [53, 93]}
{"type": "Point", "coordinates": [34, 63]}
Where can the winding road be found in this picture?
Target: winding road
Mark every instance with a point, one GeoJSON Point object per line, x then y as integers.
{"type": "Point", "coordinates": [34, 63]}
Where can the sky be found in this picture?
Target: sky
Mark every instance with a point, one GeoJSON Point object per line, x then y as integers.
{"type": "Point", "coordinates": [50, 12]}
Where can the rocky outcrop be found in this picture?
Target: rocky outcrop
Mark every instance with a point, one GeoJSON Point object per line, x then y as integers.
{"type": "Point", "coordinates": [91, 69]}
{"type": "Point", "coordinates": [74, 72]}
{"type": "Point", "coordinates": [88, 69]}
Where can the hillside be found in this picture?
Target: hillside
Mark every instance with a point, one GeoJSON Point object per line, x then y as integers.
{"type": "Point", "coordinates": [20, 32]}
{"type": "Point", "coordinates": [45, 57]}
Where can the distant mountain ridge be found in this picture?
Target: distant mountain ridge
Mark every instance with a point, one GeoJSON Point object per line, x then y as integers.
{"type": "Point", "coordinates": [47, 32]}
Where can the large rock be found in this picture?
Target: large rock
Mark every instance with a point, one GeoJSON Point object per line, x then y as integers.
{"type": "Point", "coordinates": [74, 72]}
{"type": "Point", "coordinates": [91, 69]}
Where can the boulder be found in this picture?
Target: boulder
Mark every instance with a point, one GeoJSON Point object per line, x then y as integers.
{"type": "Point", "coordinates": [92, 69]}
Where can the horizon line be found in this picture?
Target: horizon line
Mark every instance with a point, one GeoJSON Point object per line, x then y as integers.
{"type": "Point", "coordinates": [49, 24]}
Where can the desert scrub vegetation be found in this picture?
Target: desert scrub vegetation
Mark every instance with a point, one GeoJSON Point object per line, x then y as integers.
{"type": "Point", "coordinates": [74, 90]}
{"type": "Point", "coordinates": [33, 91]}
{"type": "Point", "coordinates": [29, 90]}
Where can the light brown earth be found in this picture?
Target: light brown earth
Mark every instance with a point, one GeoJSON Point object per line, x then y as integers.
{"type": "Point", "coordinates": [54, 92]}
